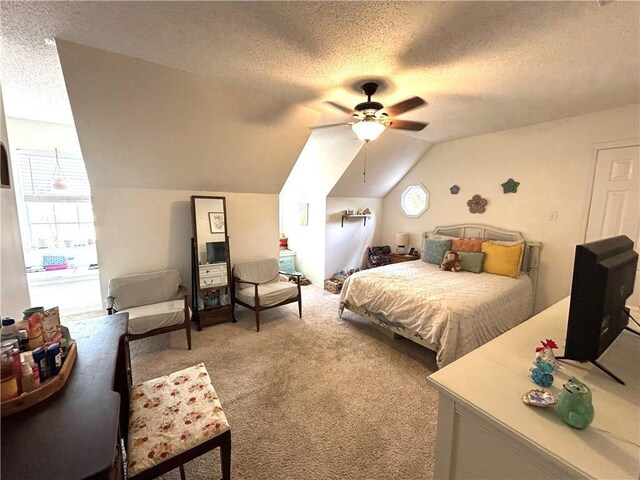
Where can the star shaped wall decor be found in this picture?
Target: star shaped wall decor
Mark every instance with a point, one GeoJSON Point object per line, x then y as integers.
{"type": "Point", "coordinates": [510, 186]}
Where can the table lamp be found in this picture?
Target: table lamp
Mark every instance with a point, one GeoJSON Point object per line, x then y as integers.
{"type": "Point", "coordinates": [402, 242]}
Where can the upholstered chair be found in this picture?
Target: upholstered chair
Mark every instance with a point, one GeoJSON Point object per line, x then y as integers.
{"type": "Point", "coordinates": [377, 256]}
{"type": "Point", "coordinates": [257, 286]}
{"type": "Point", "coordinates": [156, 303]}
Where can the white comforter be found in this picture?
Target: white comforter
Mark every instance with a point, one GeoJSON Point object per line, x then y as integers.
{"type": "Point", "coordinates": [454, 312]}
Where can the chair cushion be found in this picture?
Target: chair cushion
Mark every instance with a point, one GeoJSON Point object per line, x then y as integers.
{"type": "Point", "coordinates": [269, 293]}
{"type": "Point", "coordinates": [171, 415]}
{"type": "Point", "coordinates": [378, 256]}
{"type": "Point", "coordinates": [260, 271]}
{"type": "Point", "coordinates": [145, 289]}
{"type": "Point", "coordinates": [157, 315]}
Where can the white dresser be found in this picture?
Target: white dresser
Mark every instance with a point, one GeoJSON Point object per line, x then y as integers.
{"type": "Point", "coordinates": [213, 275]}
{"type": "Point", "coordinates": [486, 432]}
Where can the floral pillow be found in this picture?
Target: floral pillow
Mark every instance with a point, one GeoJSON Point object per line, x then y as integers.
{"type": "Point", "coordinates": [379, 256]}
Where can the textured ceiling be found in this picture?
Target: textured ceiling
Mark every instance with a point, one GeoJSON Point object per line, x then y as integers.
{"type": "Point", "coordinates": [482, 66]}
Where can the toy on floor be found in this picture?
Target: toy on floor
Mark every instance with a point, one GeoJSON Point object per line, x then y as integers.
{"type": "Point", "coordinates": [451, 262]}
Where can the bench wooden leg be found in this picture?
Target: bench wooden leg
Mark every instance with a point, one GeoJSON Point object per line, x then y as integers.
{"type": "Point", "coordinates": [188, 329]}
{"type": "Point", "coordinates": [258, 320]}
{"type": "Point", "coordinates": [300, 306]}
{"type": "Point", "coordinates": [225, 456]}
{"type": "Point", "coordinates": [182, 477]}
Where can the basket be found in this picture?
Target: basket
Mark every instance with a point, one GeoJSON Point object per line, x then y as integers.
{"type": "Point", "coordinates": [333, 285]}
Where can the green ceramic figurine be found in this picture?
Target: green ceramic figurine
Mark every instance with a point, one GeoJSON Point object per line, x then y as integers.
{"type": "Point", "coordinates": [574, 404]}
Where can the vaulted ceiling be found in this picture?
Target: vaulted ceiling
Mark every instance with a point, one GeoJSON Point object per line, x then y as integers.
{"type": "Point", "coordinates": [482, 66]}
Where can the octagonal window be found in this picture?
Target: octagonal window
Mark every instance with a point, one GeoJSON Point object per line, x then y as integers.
{"type": "Point", "coordinates": [414, 201]}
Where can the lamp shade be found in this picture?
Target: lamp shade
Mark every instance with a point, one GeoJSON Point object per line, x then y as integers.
{"type": "Point", "coordinates": [402, 239]}
{"type": "Point", "coordinates": [367, 129]}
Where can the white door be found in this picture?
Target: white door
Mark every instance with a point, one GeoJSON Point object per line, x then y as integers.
{"type": "Point", "coordinates": [615, 200]}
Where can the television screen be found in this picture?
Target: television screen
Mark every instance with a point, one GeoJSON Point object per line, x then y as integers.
{"type": "Point", "coordinates": [603, 279]}
{"type": "Point", "coordinates": [216, 252]}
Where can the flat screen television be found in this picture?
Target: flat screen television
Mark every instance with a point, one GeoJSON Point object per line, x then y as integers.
{"type": "Point", "coordinates": [216, 252]}
{"type": "Point", "coordinates": [604, 274]}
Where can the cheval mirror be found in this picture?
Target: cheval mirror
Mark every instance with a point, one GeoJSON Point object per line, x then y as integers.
{"type": "Point", "coordinates": [210, 267]}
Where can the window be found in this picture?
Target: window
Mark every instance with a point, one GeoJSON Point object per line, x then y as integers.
{"type": "Point", "coordinates": [414, 201]}
{"type": "Point", "coordinates": [56, 225]}
{"type": "Point", "coordinates": [57, 222]}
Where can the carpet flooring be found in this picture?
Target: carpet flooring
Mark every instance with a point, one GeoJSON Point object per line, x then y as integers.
{"type": "Point", "coordinates": [314, 398]}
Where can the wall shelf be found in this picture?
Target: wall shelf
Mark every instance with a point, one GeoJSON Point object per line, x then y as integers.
{"type": "Point", "coordinates": [363, 217]}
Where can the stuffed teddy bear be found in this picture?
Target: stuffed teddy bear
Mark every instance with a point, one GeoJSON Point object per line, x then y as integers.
{"type": "Point", "coordinates": [451, 262]}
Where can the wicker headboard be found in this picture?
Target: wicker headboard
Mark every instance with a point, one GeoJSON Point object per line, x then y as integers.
{"type": "Point", "coordinates": [469, 230]}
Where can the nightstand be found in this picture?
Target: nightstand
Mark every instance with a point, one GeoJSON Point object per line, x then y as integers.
{"type": "Point", "coordinates": [399, 258]}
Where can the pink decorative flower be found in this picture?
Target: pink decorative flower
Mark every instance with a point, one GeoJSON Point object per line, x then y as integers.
{"type": "Point", "coordinates": [477, 204]}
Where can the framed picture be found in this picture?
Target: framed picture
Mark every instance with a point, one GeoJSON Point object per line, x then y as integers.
{"type": "Point", "coordinates": [303, 213]}
{"type": "Point", "coordinates": [412, 251]}
{"type": "Point", "coordinates": [216, 222]}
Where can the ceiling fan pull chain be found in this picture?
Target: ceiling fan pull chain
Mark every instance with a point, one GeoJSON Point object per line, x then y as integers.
{"type": "Point", "coordinates": [364, 172]}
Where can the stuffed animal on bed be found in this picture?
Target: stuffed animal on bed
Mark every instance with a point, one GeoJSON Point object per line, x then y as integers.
{"type": "Point", "coordinates": [451, 262]}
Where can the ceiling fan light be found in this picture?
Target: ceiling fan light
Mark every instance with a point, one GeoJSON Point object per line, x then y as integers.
{"type": "Point", "coordinates": [367, 130]}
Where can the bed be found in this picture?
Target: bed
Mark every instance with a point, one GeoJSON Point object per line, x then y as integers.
{"type": "Point", "coordinates": [449, 313]}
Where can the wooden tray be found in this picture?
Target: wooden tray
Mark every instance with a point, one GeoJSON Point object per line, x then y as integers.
{"type": "Point", "coordinates": [44, 391]}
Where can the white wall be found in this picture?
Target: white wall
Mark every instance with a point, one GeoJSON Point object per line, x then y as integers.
{"type": "Point", "coordinates": [552, 161]}
{"type": "Point", "coordinates": [142, 230]}
{"type": "Point", "coordinates": [14, 296]}
{"type": "Point", "coordinates": [345, 246]}
{"type": "Point", "coordinates": [27, 134]}
{"type": "Point", "coordinates": [323, 160]}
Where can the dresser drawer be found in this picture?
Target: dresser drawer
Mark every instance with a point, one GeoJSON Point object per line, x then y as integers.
{"type": "Point", "coordinates": [213, 275]}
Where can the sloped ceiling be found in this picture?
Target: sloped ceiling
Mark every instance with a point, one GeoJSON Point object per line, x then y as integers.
{"type": "Point", "coordinates": [385, 162]}
{"type": "Point", "coordinates": [144, 125]}
{"type": "Point", "coordinates": [482, 66]}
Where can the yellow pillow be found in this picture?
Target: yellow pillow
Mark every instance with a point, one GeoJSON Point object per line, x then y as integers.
{"type": "Point", "coordinates": [502, 259]}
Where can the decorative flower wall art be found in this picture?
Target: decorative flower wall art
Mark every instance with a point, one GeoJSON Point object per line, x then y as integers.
{"type": "Point", "coordinates": [510, 186]}
{"type": "Point", "coordinates": [477, 204]}
{"type": "Point", "coordinates": [454, 189]}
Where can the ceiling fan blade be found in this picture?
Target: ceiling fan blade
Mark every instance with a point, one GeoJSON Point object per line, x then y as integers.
{"type": "Point", "coordinates": [405, 106]}
{"type": "Point", "coordinates": [340, 107]}
{"type": "Point", "coordinates": [331, 125]}
{"type": "Point", "coordinates": [407, 125]}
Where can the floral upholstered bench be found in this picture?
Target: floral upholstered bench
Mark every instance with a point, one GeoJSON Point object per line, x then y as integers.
{"type": "Point", "coordinates": [174, 419]}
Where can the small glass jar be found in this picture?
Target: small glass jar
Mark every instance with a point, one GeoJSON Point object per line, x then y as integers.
{"type": "Point", "coordinates": [8, 377]}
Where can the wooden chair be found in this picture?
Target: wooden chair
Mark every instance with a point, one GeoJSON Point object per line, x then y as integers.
{"type": "Point", "coordinates": [156, 303]}
{"type": "Point", "coordinates": [158, 443]}
{"type": "Point", "coordinates": [257, 286]}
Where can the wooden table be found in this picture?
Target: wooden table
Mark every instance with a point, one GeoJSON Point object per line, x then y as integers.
{"type": "Point", "coordinates": [74, 433]}
{"type": "Point", "coordinates": [399, 258]}
{"type": "Point", "coordinates": [485, 431]}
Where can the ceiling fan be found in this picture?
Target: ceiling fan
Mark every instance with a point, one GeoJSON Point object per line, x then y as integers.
{"type": "Point", "coordinates": [370, 118]}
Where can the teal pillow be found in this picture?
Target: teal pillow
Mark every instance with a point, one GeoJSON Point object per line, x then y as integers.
{"type": "Point", "coordinates": [287, 266]}
{"type": "Point", "coordinates": [433, 250]}
{"type": "Point", "coordinates": [471, 261]}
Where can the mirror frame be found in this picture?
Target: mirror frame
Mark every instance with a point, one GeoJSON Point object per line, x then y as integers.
{"type": "Point", "coordinates": [194, 224]}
